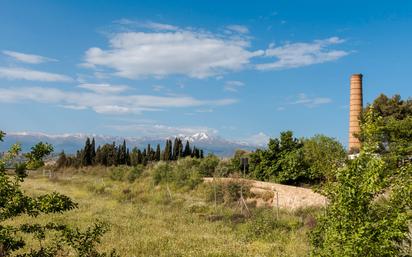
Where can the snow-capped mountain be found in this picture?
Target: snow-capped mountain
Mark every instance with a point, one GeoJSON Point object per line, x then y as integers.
{"type": "Point", "coordinates": [70, 143]}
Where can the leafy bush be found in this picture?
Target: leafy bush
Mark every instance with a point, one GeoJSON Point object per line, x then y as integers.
{"type": "Point", "coordinates": [13, 203]}
{"type": "Point", "coordinates": [289, 160]}
{"type": "Point", "coordinates": [183, 173]}
{"type": "Point", "coordinates": [126, 173]}
{"type": "Point", "coordinates": [282, 161]}
{"type": "Point", "coordinates": [36, 155]}
{"type": "Point", "coordinates": [265, 226]}
{"type": "Point", "coordinates": [207, 166]}
{"type": "Point", "coordinates": [224, 169]}
{"type": "Point", "coordinates": [370, 203]}
{"type": "Point", "coordinates": [186, 173]}
{"type": "Point", "coordinates": [118, 173]}
{"type": "Point", "coordinates": [227, 192]}
{"type": "Point", "coordinates": [161, 172]}
{"type": "Point", "coordinates": [135, 173]}
{"type": "Point", "coordinates": [323, 156]}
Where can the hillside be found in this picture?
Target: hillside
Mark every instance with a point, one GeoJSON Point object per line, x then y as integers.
{"type": "Point", "coordinates": [149, 220]}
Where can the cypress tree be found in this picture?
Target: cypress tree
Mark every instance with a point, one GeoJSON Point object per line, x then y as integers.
{"type": "Point", "coordinates": [144, 157]}
{"type": "Point", "coordinates": [98, 158]}
{"type": "Point", "coordinates": [187, 151]}
{"type": "Point", "coordinates": [112, 155]}
{"type": "Point", "coordinates": [87, 154]}
{"type": "Point", "coordinates": [133, 157]}
{"type": "Point", "coordinates": [149, 152]}
{"type": "Point", "coordinates": [123, 152]}
{"type": "Point", "coordinates": [170, 150]}
{"type": "Point", "coordinates": [175, 154]}
{"type": "Point", "coordinates": [128, 157]}
{"type": "Point", "coordinates": [139, 157]}
{"type": "Point", "coordinates": [166, 151]}
{"type": "Point", "coordinates": [201, 154]}
{"type": "Point", "coordinates": [62, 161]}
{"type": "Point", "coordinates": [157, 155]}
{"type": "Point", "coordinates": [180, 148]}
{"type": "Point", "coordinates": [93, 151]}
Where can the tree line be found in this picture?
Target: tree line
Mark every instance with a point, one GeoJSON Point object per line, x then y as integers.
{"type": "Point", "coordinates": [113, 155]}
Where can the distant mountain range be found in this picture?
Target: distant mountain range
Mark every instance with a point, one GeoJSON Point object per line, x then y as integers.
{"type": "Point", "coordinates": [70, 143]}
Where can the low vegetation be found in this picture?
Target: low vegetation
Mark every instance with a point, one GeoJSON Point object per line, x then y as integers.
{"type": "Point", "coordinates": [151, 217]}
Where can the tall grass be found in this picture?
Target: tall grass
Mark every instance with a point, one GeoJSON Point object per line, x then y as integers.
{"type": "Point", "coordinates": [147, 218]}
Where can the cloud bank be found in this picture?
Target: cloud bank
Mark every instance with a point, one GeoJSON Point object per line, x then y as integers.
{"type": "Point", "coordinates": [294, 55]}
{"type": "Point", "coordinates": [28, 58]}
{"type": "Point", "coordinates": [104, 103]}
{"type": "Point", "coordinates": [194, 54]}
{"type": "Point", "coordinates": [32, 75]}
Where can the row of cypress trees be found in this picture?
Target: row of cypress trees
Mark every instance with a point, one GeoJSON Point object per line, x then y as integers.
{"type": "Point", "coordinates": [112, 154]}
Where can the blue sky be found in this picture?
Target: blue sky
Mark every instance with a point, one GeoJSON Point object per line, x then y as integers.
{"type": "Point", "coordinates": [238, 69]}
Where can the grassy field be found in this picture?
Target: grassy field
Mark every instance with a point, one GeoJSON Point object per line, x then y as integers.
{"type": "Point", "coordinates": [150, 220]}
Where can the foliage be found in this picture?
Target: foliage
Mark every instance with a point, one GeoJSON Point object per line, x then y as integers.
{"type": "Point", "coordinates": [135, 173]}
{"type": "Point", "coordinates": [323, 156]}
{"type": "Point", "coordinates": [14, 203]}
{"type": "Point", "coordinates": [393, 119]}
{"type": "Point", "coordinates": [113, 155]}
{"type": "Point", "coordinates": [227, 192]}
{"type": "Point", "coordinates": [289, 160]}
{"type": "Point", "coordinates": [266, 226]}
{"type": "Point", "coordinates": [183, 173]}
{"type": "Point", "coordinates": [36, 155]}
{"type": "Point", "coordinates": [161, 172]}
{"type": "Point", "coordinates": [207, 166]}
{"type": "Point", "coordinates": [282, 161]}
{"type": "Point", "coordinates": [236, 161]}
{"type": "Point", "coordinates": [370, 203]}
{"type": "Point", "coordinates": [225, 169]}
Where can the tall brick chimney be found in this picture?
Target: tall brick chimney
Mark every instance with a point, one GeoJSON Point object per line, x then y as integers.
{"type": "Point", "coordinates": [356, 105]}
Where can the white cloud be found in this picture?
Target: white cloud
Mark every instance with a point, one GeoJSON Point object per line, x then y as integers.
{"type": "Point", "coordinates": [196, 54]}
{"type": "Point", "coordinates": [74, 107]}
{"type": "Point", "coordinates": [311, 102]}
{"type": "Point", "coordinates": [208, 110]}
{"type": "Point", "coordinates": [238, 28]}
{"type": "Point", "coordinates": [158, 88]}
{"type": "Point", "coordinates": [104, 103]}
{"type": "Point", "coordinates": [160, 26]}
{"type": "Point", "coordinates": [28, 58]}
{"type": "Point", "coordinates": [153, 129]}
{"type": "Point", "coordinates": [293, 55]}
{"type": "Point", "coordinates": [260, 139]}
{"type": "Point", "coordinates": [104, 88]}
{"type": "Point", "coordinates": [233, 85]}
{"type": "Point", "coordinates": [147, 24]}
{"type": "Point", "coordinates": [32, 75]}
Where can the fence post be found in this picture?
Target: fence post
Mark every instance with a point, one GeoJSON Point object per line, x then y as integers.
{"type": "Point", "coordinates": [277, 205]}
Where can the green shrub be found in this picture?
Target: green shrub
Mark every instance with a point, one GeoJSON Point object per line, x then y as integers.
{"type": "Point", "coordinates": [14, 203]}
{"type": "Point", "coordinates": [118, 173]}
{"type": "Point", "coordinates": [135, 173]}
{"type": "Point", "coordinates": [264, 225]}
{"type": "Point", "coordinates": [161, 171]}
{"type": "Point", "coordinates": [226, 192]}
{"type": "Point", "coordinates": [183, 173]}
{"type": "Point", "coordinates": [224, 169]}
{"type": "Point", "coordinates": [208, 165]}
{"type": "Point", "coordinates": [360, 219]}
